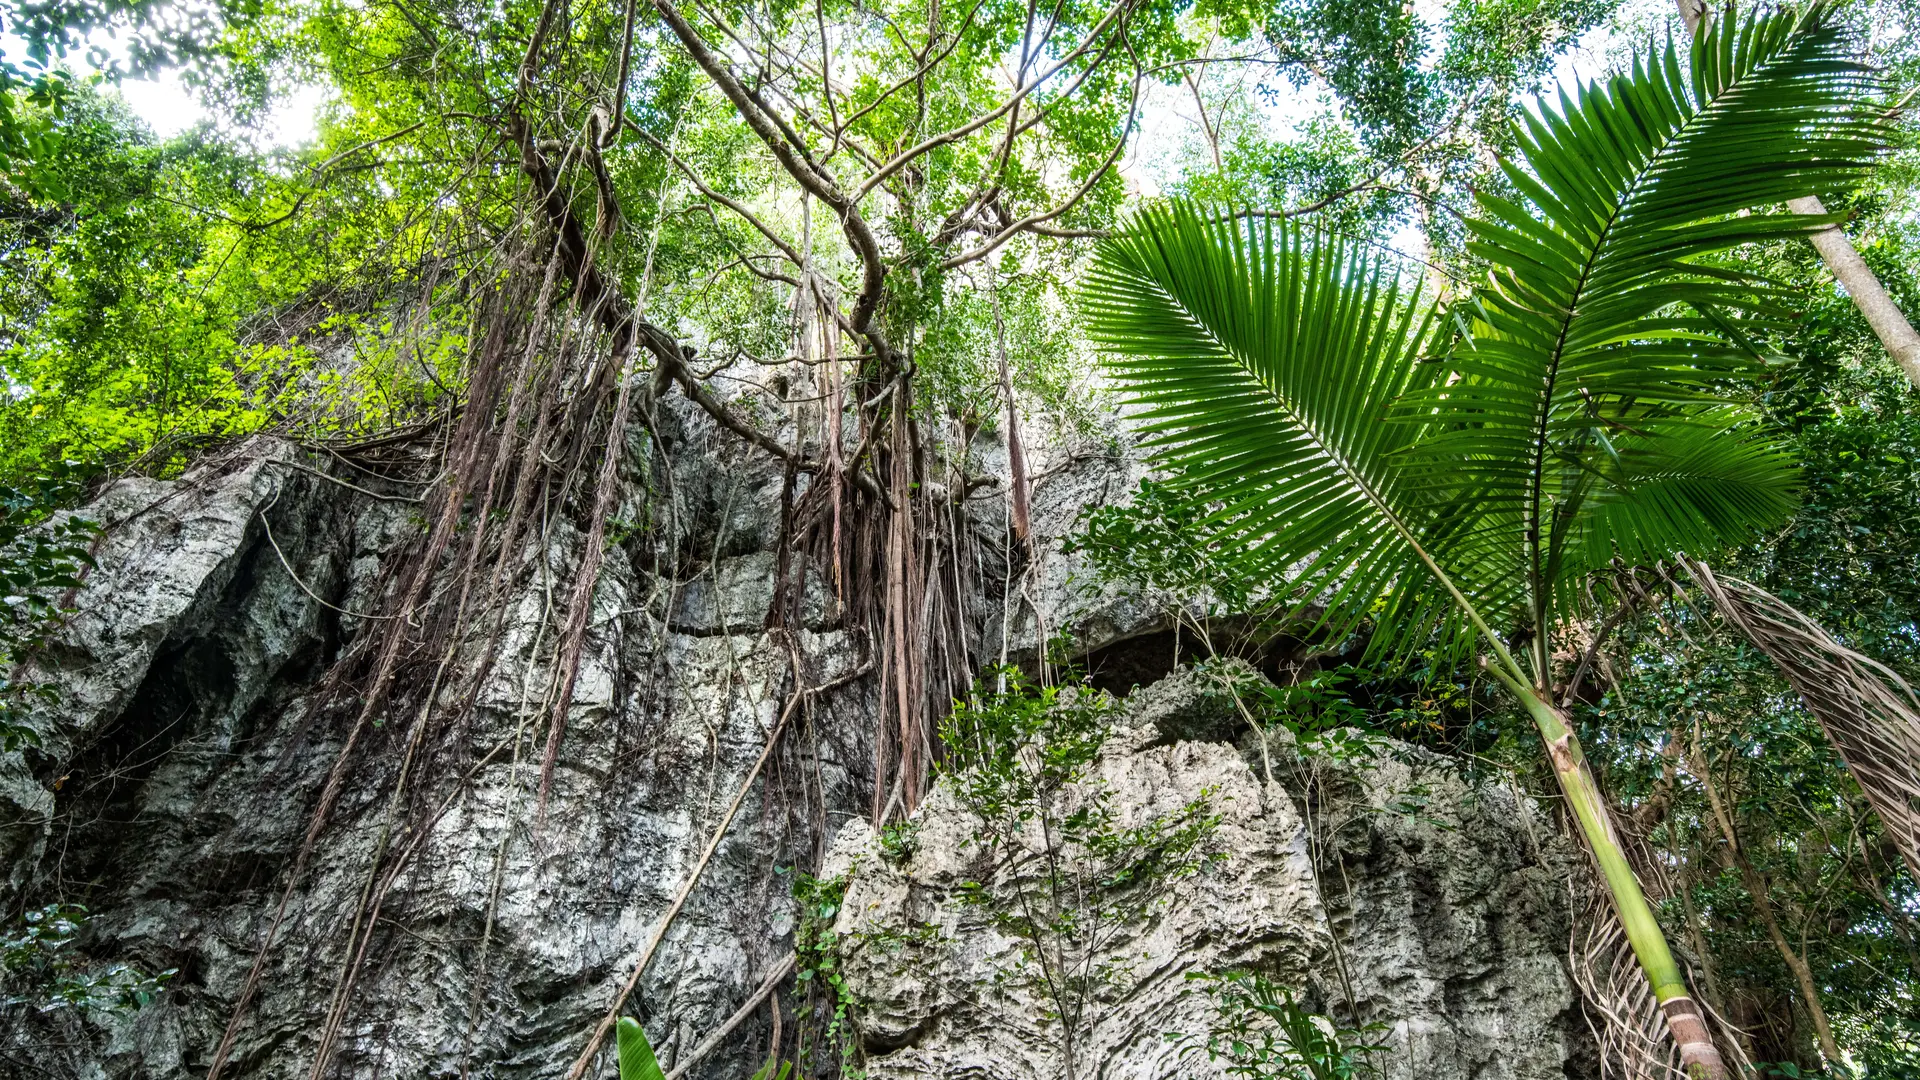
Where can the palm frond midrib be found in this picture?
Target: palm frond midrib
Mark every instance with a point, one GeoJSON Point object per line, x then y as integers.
{"type": "Point", "coordinates": [1647, 172]}
{"type": "Point", "coordinates": [1365, 487]}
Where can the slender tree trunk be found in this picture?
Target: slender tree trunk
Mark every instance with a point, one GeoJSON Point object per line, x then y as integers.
{"type": "Point", "coordinates": [1763, 903]}
{"type": "Point", "coordinates": [1889, 323]}
{"type": "Point", "coordinates": [1699, 1058]}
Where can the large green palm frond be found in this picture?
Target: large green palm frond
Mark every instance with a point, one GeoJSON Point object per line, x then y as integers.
{"type": "Point", "coordinates": [1600, 334]}
{"type": "Point", "coordinates": [1263, 358]}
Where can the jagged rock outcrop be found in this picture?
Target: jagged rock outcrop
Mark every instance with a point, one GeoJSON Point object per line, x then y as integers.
{"type": "Point", "coordinates": [208, 689]}
{"type": "Point", "coordinates": [194, 730]}
{"type": "Point", "coordinates": [1438, 903]}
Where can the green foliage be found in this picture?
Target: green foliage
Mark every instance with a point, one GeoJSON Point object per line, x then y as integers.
{"type": "Point", "coordinates": [40, 967]}
{"type": "Point", "coordinates": [134, 325]}
{"type": "Point", "coordinates": [1264, 1032]}
{"type": "Point", "coordinates": [899, 840]}
{"type": "Point", "coordinates": [1578, 418]}
{"type": "Point", "coordinates": [1594, 410]}
{"type": "Point", "coordinates": [1020, 760]}
{"type": "Point", "coordinates": [1161, 540]}
{"type": "Point", "coordinates": [636, 1053]}
{"type": "Point", "coordinates": [1686, 702]}
{"type": "Point", "coordinates": [1606, 346]}
{"type": "Point", "coordinates": [39, 560]}
{"type": "Point", "coordinates": [1265, 357]}
{"type": "Point", "coordinates": [1848, 560]}
{"type": "Point", "coordinates": [1063, 728]}
{"type": "Point", "coordinates": [818, 973]}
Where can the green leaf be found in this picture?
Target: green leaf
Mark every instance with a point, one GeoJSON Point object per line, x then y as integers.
{"type": "Point", "coordinates": [636, 1054]}
{"type": "Point", "coordinates": [1263, 358]}
{"type": "Point", "coordinates": [1590, 410]}
{"type": "Point", "coordinates": [1604, 334]}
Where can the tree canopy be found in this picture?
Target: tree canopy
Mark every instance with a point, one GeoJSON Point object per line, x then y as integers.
{"type": "Point", "coordinates": [1559, 317]}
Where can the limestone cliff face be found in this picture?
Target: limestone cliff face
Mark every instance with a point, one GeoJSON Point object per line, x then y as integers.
{"type": "Point", "coordinates": [203, 706]}
{"type": "Point", "coordinates": [1450, 917]}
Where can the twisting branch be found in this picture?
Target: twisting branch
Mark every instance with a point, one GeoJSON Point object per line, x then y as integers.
{"type": "Point", "coordinates": [1119, 148]}
{"type": "Point", "coordinates": [932, 61]}
{"type": "Point", "coordinates": [761, 121]}
{"type": "Point", "coordinates": [714, 196]}
{"type": "Point", "coordinates": [952, 135]}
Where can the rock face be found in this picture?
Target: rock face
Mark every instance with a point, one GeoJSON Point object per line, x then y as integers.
{"type": "Point", "coordinates": [195, 730]}
{"type": "Point", "coordinates": [210, 687]}
{"type": "Point", "coordinates": [1377, 869]}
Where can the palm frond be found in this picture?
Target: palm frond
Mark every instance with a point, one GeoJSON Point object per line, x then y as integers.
{"type": "Point", "coordinates": [1600, 316]}
{"type": "Point", "coordinates": [1262, 358]}
{"type": "Point", "coordinates": [1870, 714]}
{"type": "Point", "coordinates": [1712, 475]}
{"type": "Point", "coordinates": [636, 1054]}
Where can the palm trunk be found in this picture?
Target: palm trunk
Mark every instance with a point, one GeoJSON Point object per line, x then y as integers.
{"type": "Point", "coordinates": [1699, 1058]}
{"type": "Point", "coordinates": [1888, 322]}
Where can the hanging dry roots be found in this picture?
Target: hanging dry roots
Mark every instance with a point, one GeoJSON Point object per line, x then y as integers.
{"type": "Point", "coordinates": [1870, 714]}
{"type": "Point", "coordinates": [1625, 1019]}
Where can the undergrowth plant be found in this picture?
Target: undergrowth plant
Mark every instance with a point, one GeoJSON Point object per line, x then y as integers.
{"type": "Point", "coordinates": [636, 1053]}
{"type": "Point", "coordinates": [1262, 1031]}
{"type": "Point", "coordinates": [819, 977]}
{"type": "Point", "coordinates": [638, 1063]}
{"type": "Point", "coordinates": [1068, 876]}
{"type": "Point", "coordinates": [40, 560]}
{"type": "Point", "coordinates": [41, 967]}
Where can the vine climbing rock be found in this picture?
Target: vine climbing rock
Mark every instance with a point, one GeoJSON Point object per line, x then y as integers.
{"type": "Point", "coordinates": [1448, 902]}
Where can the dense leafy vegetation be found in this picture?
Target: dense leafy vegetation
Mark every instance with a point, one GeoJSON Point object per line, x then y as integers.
{"type": "Point", "coordinates": [885, 212]}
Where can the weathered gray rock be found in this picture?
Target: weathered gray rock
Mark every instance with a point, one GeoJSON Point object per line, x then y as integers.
{"type": "Point", "coordinates": [211, 683]}
{"type": "Point", "coordinates": [1424, 895]}
{"type": "Point", "coordinates": [194, 732]}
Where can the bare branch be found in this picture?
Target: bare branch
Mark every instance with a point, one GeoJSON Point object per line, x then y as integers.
{"type": "Point", "coordinates": [732, 204]}
{"type": "Point", "coordinates": [952, 135]}
{"type": "Point", "coordinates": [865, 245]}
{"type": "Point", "coordinates": [1008, 233]}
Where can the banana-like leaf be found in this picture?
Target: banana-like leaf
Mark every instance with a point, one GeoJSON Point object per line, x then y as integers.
{"type": "Point", "coordinates": [774, 1069]}
{"type": "Point", "coordinates": [636, 1053]}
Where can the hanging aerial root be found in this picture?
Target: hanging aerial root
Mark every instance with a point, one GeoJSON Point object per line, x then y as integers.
{"type": "Point", "coordinates": [580, 608]}
{"type": "Point", "coordinates": [800, 694]}
{"type": "Point", "coordinates": [1870, 714]}
{"type": "Point", "coordinates": [468, 451]}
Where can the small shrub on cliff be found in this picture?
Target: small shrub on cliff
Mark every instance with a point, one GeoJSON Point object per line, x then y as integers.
{"type": "Point", "coordinates": [818, 977]}
{"type": "Point", "coordinates": [41, 967]}
{"type": "Point", "coordinates": [1069, 878]}
{"type": "Point", "coordinates": [38, 560]}
{"type": "Point", "coordinates": [1263, 1032]}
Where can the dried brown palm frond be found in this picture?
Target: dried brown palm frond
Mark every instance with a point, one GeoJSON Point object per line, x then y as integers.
{"type": "Point", "coordinates": [1621, 1011]}
{"type": "Point", "coordinates": [1625, 1019]}
{"type": "Point", "coordinates": [1870, 714]}
{"type": "Point", "coordinates": [1627, 1025]}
